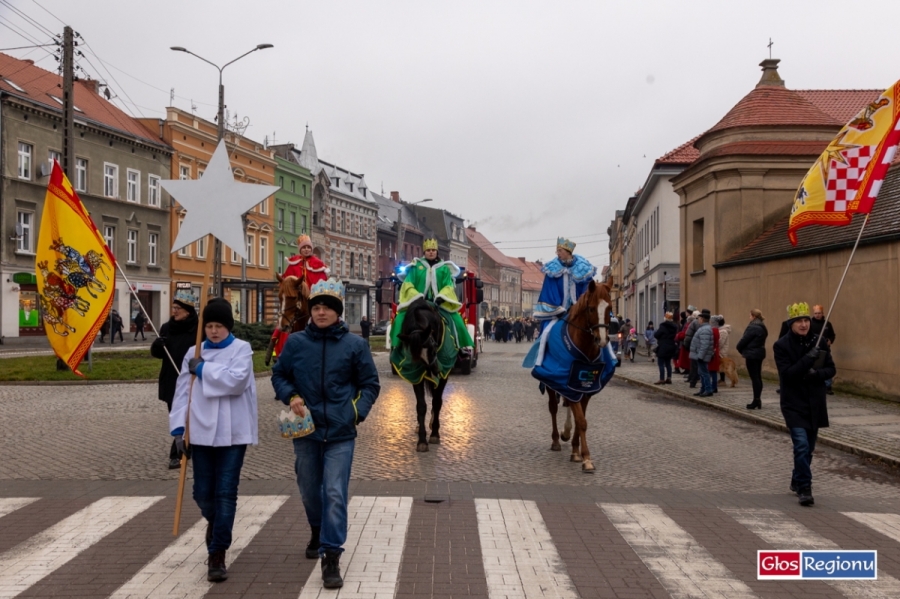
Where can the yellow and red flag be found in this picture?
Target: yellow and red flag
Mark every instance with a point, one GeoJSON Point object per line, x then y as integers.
{"type": "Point", "coordinates": [847, 177]}
{"type": "Point", "coordinates": [75, 272]}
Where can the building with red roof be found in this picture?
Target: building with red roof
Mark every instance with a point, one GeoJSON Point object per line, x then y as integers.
{"type": "Point", "coordinates": [735, 202]}
{"type": "Point", "coordinates": [493, 263]}
{"type": "Point", "coordinates": [118, 167]}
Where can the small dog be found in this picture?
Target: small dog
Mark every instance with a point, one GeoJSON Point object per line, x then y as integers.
{"type": "Point", "coordinates": [730, 370]}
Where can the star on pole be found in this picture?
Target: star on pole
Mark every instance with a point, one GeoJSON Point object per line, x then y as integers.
{"type": "Point", "coordinates": [215, 204]}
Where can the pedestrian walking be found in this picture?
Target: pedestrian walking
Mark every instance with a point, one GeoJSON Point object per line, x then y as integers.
{"type": "Point", "coordinates": [177, 336]}
{"type": "Point", "coordinates": [365, 326]}
{"type": "Point", "coordinates": [828, 336]}
{"type": "Point", "coordinates": [518, 330]}
{"type": "Point", "coordinates": [752, 347]}
{"type": "Point", "coordinates": [650, 339]}
{"type": "Point", "coordinates": [665, 349]}
{"type": "Point", "coordinates": [802, 371]}
{"type": "Point", "coordinates": [139, 321]}
{"type": "Point", "coordinates": [487, 328]}
{"type": "Point", "coordinates": [221, 409]}
{"type": "Point", "coordinates": [631, 344]}
{"type": "Point", "coordinates": [325, 370]}
{"type": "Point", "coordinates": [702, 351]}
{"type": "Point", "coordinates": [117, 326]}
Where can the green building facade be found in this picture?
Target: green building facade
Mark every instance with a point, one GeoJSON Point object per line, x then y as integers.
{"type": "Point", "coordinates": [292, 206]}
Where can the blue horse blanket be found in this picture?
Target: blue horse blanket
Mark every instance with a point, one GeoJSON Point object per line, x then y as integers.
{"type": "Point", "coordinates": [565, 369]}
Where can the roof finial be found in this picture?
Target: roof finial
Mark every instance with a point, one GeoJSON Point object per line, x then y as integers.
{"type": "Point", "coordinates": [770, 76]}
{"type": "Point", "coordinates": [771, 43]}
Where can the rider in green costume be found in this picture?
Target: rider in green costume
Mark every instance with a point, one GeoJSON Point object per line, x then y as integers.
{"type": "Point", "coordinates": [435, 280]}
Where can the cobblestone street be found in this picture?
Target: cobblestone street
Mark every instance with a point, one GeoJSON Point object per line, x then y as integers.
{"type": "Point", "coordinates": [663, 463]}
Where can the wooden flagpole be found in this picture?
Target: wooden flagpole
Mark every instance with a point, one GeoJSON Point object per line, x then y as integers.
{"type": "Point", "coordinates": [182, 476]}
{"type": "Point", "coordinates": [841, 283]}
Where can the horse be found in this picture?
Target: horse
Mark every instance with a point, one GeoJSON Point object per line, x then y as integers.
{"type": "Point", "coordinates": [587, 325]}
{"type": "Point", "coordinates": [423, 335]}
{"type": "Point", "coordinates": [293, 298]}
{"type": "Point", "coordinates": [54, 316]}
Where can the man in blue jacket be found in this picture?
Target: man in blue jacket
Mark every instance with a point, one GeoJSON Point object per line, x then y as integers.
{"type": "Point", "coordinates": [330, 372]}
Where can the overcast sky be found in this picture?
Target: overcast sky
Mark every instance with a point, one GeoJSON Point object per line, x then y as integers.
{"type": "Point", "coordinates": [529, 119]}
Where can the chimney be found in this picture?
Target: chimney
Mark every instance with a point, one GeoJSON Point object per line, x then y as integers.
{"type": "Point", "coordinates": [92, 84]}
{"type": "Point", "coordinates": [770, 74]}
{"type": "Point", "coordinates": [395, 195]}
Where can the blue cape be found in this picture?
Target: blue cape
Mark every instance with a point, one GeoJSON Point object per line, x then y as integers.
{"type": "Point", "coordinates": [553, 300]}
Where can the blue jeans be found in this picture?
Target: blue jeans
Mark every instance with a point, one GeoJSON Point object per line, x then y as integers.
{"type": "Point", "coordinates": [804, 440]}
{"type": "Point", "coordinates": [705, 379]}
{"type": "Point", "coordinates": [665, 368]}
{"type": "Point", "coordinates": [217, 472]}
{"type": "Point", "coordinates": [323, 476]}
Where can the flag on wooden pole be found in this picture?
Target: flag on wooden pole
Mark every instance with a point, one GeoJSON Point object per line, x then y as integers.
{"type": "Point", "coordinates": [847, 177]}
{"type": "Point", "coordinates": [75, 272]}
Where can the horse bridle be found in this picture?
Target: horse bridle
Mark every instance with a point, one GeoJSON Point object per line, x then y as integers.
{"type": "Point", "coordinates": [589, 330]}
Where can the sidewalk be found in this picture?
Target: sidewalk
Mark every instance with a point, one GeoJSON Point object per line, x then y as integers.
{"type": "Point", "coordinates": [865, 427]}
{"type": "Point", "coordinates": [17, 347]}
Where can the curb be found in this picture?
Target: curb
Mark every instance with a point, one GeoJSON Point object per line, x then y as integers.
{"type": "Point", "coordinates": [824, 438]}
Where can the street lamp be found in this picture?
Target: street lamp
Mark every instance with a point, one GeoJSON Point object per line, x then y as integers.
{"type": "Point", "coordinates": [400, 251]}
{"type": "Point", "coordinates": [220, 121]}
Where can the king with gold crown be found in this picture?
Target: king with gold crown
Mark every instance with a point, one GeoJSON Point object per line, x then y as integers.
{"type": "Point", "coordinates": [435, 280]}
{"type": "Point", "coordinates": [565, 278]}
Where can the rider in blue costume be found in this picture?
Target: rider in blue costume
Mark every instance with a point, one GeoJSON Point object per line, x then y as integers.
{"type": "Point", "coordinates": [565, 278]}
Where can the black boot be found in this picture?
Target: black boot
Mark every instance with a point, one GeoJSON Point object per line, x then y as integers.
{"type": "Point", "coordinates": [805, 497]}
{"type": "Point", "coordinates": [312, 548]}
{"type": "Point", "coordinates": [216, 571]}
{"type": "Point", "coordinates": [756, 405]}
{"type": "Point", "coordinates": [331, 570]}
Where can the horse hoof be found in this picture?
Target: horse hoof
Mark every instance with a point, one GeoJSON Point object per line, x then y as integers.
{"type": "Point", "coordinates": [555, 447]}
{"type": "Point", "coordinates": [565, 437]}
{"type": "Point", "coordinates": [434, 440]}
{"type": "Point", "coordinates": [422, 447]}
{"type": "Point", "coordinates": [587, 467]}
{"type": "Point", "coordinates": [575, 458]}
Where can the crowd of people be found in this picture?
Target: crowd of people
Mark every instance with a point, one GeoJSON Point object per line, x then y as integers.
{"type": "Point", "coordinates": [505, 330]}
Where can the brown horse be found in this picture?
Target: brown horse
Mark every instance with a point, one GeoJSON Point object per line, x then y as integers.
{"type": "Point", "coordinates": [293, 299]}
{"type": "Point", "coordinates": [587, 325]}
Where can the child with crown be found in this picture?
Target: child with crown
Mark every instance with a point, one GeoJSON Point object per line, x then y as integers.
{"type": "Point", "coordinates": [305, 263]}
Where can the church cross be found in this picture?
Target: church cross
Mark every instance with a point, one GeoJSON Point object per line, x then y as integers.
{"type": "Point", "coordinates": [770, 44]}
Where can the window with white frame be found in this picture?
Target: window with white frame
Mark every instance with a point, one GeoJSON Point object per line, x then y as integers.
{"type": "Point", "coordinates": [201, 248]}
{"type": "Point", "coordinates": [303, 223]}
{"type": "Point", "coordinates": [133, 186]}
{"type": "Point", "coordinates": [280, 264]}
{"type": "Point", "coordinates": [54, 155]}
{"type": "Point", "coordinates": [132, 246]}
{"type": "Point", "coordinates": [153, 246]}
{"type": "Point", "coordinates": [263, 250]}
{"type": "Point", "coordinates": [184, 172]}
{"type": "Point", "coordinates": [293, 187]}
{"type": "Point", "coordinates": [264, 206]}
{"type": "Point", "coordinates": [110, 180]}
{"type": "Point", "coordinates": [25, 241]}
{"type": "Point", "coordinates": [109, 236]}
{"type": "Point", "coordinates": [200, 172]}
{"type": "Point", "coordinates": [293, 222]}
{"type": "Point", "coordinates": [25, 154]}
{"type": "Point", "coordinates": [251, 246]}
{"type": "Point", "coordinates": [153, 190]}
{"type": "Point", "coordinates": [279, 220]}
{"type": "Point", "coordinates": [81, 175]}
{"type": "Point", "coordinates": [184, 252]}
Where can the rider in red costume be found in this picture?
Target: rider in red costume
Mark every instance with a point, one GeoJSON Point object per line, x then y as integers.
{"type": "Point", "coordinates": [305, 263]}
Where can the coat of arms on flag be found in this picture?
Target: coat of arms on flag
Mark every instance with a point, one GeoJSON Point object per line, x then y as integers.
{"type": "Point", "coordinates": [846, 178]}
{"type": "Point", "coordinates": [75, 272]}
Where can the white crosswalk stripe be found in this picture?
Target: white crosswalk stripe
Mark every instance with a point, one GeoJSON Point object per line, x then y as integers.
{"type": "Point", "coordinates": [520, 559]}
{"type": "Point", "coordinates": [370, 565]}
{"type": "Point", "coordinates": [783, 532]}
{"type": "Point", "coordinates": [10, 504]}
{"type": "Point", "coordinates": [179, 571]}
{"type": "Point", "coordinates": [30, 561]}
{"type": "Point", "coordinates": [680, 564]}
{"type": "Point", "coordinates": [886, 524]}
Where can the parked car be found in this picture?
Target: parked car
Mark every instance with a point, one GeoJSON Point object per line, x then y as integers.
{"type": "Point", "coordinates": [380, 328]}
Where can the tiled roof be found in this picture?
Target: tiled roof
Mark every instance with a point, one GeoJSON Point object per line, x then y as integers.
{"type": "Point", "coordinates": [42, 87]}
{"type": "Point", "coordinates": [771, 148]}
{"type": "Point", "coordinates": [532, 277]}
{"type": "Point", "coordinates": [883, 226]}
{"type": "Point", "coordinates": [842, 104]}
{"type": "Point", "coordinates": [488, 248]}
{"type": "Point", "coordinates": [775, 105]}
{"type": "Point", "coordinates": [484, 276]}
{"type": "Point", "coordinates": [686, 153]}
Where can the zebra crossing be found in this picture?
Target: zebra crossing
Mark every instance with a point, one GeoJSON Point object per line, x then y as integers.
{"type": "Point", "coordinates": [523, 555]}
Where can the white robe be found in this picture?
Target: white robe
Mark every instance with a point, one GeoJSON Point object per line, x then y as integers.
{"type": "Point", "coordinates": [223, 401]}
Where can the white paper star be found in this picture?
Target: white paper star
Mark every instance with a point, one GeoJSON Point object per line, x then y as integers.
{"type": "Point", "coordinates": [215, 204]}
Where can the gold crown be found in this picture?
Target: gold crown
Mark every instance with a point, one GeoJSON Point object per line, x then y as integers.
{"type": "Point", "coordinates": [430, 244]}
{"type": "Point", "coordinates": [304, 240]}
{"type": "Point", "coordinates": [562, 242]}
{"type": "Point", "coordinates": [798, 310]}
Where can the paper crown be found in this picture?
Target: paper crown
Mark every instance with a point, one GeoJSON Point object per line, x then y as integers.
{"type": "Point", "coordinates": [430, 244]}
{"type": "Point", "coordinates": [185, 296]}
{"type": "Point", "coordinates": [565, 244]}
{"type": "Point", "coordinates": [798, 310]}
{"type": "Point", "coordinates": [304, 240]}
{"type": "Point", "coordinates": [330, 288]}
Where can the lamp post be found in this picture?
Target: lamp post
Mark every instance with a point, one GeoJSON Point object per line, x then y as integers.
{"type": "Point", "coordinates": [400, 252]}
{"type": "Point", "coordinates": [220, 121]}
